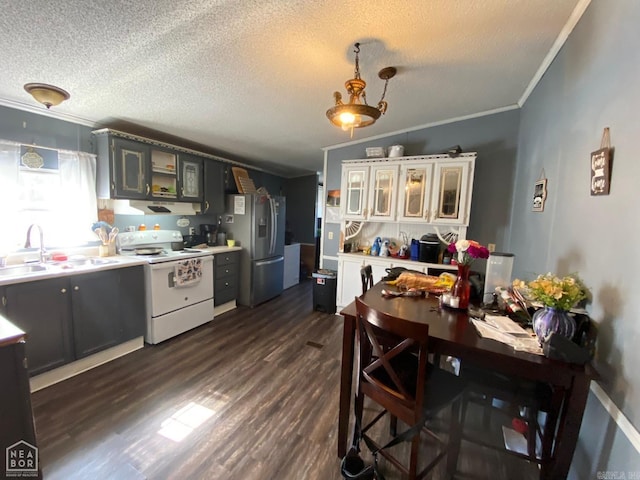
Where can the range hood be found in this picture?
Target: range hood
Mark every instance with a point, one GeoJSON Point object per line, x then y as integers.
{"type": "Point", "coordinates": [142, 207]}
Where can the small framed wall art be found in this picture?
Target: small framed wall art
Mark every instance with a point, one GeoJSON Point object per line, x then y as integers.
{"type": "Point", "coordinates": [539, 194]}
{"type": "Point", "coordinates": [601, 166]}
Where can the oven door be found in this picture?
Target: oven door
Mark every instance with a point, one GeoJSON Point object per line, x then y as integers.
{"type": "Point", "coordinates": [163, 296]}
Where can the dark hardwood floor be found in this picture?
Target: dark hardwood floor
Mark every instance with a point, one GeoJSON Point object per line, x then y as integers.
{"type": "Point", "coordinates": [264, 382]}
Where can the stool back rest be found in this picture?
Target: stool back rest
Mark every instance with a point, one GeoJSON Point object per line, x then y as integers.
{"type": "Point", "coordinates": [366, 275]}
{"type": "Point", "coordinates": [388, 345]}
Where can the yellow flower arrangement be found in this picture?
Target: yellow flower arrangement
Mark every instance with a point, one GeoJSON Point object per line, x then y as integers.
{"type": "Point", "coordinates": [552, 291]}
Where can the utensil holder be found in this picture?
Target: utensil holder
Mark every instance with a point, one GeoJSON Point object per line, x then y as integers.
{"type": "Point", "coordinates": [107, 250]}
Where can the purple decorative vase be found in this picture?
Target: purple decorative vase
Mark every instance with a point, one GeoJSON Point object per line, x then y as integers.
{"type": "Point", "coordinates": [550, 320]}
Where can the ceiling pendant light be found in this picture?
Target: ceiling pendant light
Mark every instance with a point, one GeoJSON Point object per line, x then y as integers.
{"type": "Point", "coordinates": [357, 113]}
{"type": "Point", "coordinates": [48, 95]}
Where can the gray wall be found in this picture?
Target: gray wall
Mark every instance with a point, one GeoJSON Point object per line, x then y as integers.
{"type": "Point", "coordinates": [32, 129]}
{"type": "Point", "coordinates": [592, 84]}
{"type": "Point", "coordinates": [301, 193]}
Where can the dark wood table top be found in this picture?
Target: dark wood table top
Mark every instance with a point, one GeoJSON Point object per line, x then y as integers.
{"type": "Point", "coordinates": [451, 332]}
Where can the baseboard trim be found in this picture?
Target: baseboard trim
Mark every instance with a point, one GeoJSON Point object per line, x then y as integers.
{"type": "Point", "coordinates": [621, 420]}
{"type": "Point", "coordinates": [224, 308]}
{"type": "Point", "coordinates": [72, 369]}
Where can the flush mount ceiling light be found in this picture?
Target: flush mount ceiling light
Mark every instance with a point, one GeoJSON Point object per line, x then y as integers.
{"type": "Point", "coordinates": [357, 113]}
{"type": "Point", "coordinates": [48, 95]}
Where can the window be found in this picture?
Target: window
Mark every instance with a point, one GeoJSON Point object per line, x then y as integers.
{"type": "Point", "coordinates": [60, 196]}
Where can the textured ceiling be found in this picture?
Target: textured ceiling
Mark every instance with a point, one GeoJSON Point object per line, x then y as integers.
{"type": "Point", "coordinates": [253, 78]}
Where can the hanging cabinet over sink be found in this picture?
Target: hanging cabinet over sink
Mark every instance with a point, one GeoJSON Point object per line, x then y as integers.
{"type": "Point", "coordinates": [434, 189]}
{"type": "Point", "coordinates": [136, 168]}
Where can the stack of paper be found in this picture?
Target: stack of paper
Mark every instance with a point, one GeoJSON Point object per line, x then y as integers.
{"type": "Point", "coordinates": [505, 330]}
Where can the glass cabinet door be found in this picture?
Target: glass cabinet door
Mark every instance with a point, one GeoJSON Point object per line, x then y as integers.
{"type": "Point", "coordinates": [415, 185]}
{"type": "Point", "coordinates": [129, 169]}
{"type": "Point", "coordinates": [190, 178]}
{"type": "Point", "coordinates": [450, 193]}
{"type": "Point", "coordinates": [383, 192]}
{"type": "Point", "coordinates": [355, 191]}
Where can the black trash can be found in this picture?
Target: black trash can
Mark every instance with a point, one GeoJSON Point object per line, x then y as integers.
{"type": "Point", "coordinates": [324, 290]}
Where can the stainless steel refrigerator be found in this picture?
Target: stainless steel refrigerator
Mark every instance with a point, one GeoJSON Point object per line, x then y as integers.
{"type": "Point", "coordinates": [256, 222]}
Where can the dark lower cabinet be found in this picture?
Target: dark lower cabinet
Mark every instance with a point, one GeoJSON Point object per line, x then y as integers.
{"type": "Point", "coordinates": [72, 317]}
{"type": "Point", "coordinates": [95, 306]}
{"type": "Point", "coordinates": [17, 435]}
{"type": "Point", "coordinates": [225, 285]}
{"type": "Point", "coordinates": [43, 310]}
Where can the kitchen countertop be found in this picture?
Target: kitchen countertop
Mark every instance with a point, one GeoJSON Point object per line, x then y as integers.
{"type": "Point", "coordinates": [67, 268]}
{"type": "Point", "coordinates": [64, 269]}
{"type": "Point", "coordinates": [399, 262]}
{"type": "Point", "coordinates": [220, 249]}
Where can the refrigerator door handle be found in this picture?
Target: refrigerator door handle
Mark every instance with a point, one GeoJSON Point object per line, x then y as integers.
{"type": "Point", "coordinates": [269, 262]}
{"type": "Point", "coordinates": [274, 226]}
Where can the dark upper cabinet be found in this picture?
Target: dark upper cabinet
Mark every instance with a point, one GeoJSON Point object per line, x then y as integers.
{"type": "Point", "coordinates": [122, 168]}
{"type": "Point", "coordinates": [146, 170]}
{"type": "Point", "coordinates": [214, 190]}
{"type": "Point", "coordinates": [190, 178]}
{"type": "Point", "coordinates": [42, 309]}
{"type": "Point", "coordinates": [130, 169]}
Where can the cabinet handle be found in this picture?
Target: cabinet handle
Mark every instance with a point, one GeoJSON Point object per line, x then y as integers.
{"type": "Point", "coordinates": [63, 290]}
{"type": "Point", "coordinates": [148, 189]}
{"type": "Point", "coordinates": [206, 206]}
{"type": "Point", "coordinates": [113, 187]}
{"type": "Point", "coordinates": [4, 301]}
{"type": "Point", "coordinates": [76, 288]}
{"type": "Point", "coordinates": [182, 192]}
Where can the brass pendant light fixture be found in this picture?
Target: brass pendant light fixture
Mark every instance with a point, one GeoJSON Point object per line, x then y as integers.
{"type": "Point", "coordinates": [357, 113]}
{"type": "Point", "coordinates": [48, 95]}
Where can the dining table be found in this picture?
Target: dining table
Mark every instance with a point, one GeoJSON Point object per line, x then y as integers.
{"type": "Point", "coordinates": [451, 333]}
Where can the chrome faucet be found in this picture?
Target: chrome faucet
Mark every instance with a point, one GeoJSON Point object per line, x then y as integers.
{"type": "Point", "coordinates": [27, 243]}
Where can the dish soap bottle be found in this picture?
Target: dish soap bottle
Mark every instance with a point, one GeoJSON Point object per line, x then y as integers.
{"type": "Point", "coordinates": [375, 248]}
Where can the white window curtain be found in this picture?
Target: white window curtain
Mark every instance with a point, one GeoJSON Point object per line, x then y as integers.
{"type": "Point", "coordinates": [63, 201]}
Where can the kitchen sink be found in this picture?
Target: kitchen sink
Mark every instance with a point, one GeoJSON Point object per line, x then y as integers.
{"type": "Point", "coordinates": [21, 270]}
{"type": "Point", "coordinates": [81, 262]}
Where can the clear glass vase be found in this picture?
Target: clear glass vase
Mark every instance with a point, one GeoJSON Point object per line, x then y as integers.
{"type": "Point", "coordinates": [550, 320]}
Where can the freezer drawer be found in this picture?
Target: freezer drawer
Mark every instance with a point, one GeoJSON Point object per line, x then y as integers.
{"type": "Point", "coordinates": [267, 279]}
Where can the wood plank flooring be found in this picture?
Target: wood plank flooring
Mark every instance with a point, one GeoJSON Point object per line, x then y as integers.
{"type": "Point", "coordinates": [267, 377]}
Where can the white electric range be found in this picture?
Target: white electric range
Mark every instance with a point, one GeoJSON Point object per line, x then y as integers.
{"type": "Point", "coordinates": [178, 282]}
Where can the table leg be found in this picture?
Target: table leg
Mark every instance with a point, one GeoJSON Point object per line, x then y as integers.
{"type": "Point", "coordinates": [569, 430]}
{"type": "Point", "coordinates": [346, 377]}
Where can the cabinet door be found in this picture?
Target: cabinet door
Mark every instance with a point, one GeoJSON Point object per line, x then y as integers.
{"type": "Point", "coordinates": [43, 310]}
{"type": "Point", "coordinates": [414, 190]}
{"type": "Point", "coordinates": [450, 192]}
{"type": "Point", "coordinates": [382, 193]}
{"type": "Point", "coordinates": [349, 284]}
{"type": "Point", "coordinates": [214, 178]}
{"type": "Point", "coordinates": [96, 319]}
{"type": "Point", "coordinates": [164, 174]}
{"type": "Point", "coordinates": [132, 304]}
{"type": "Point", "coordinates": [354, 191]}
{"type": "Point", "coordinates": [189, 178]}
{"type": "Point", "coordinates": [130, 172]}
